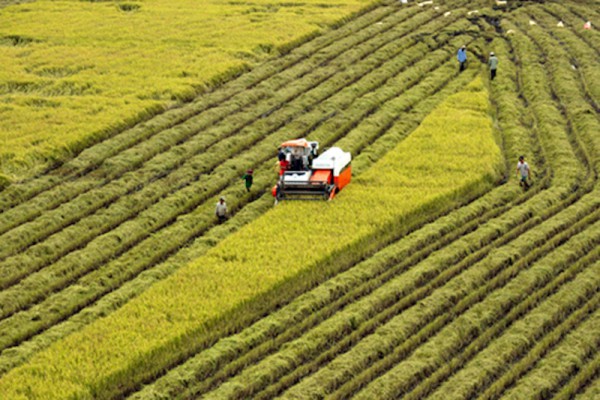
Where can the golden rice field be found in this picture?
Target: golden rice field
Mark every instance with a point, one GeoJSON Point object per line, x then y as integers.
{"type": "Point", "coordinates": [75, 72]}
{"type": "Point", "coordinates": [433, 274]}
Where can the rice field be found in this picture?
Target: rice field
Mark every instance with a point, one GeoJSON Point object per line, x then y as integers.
{"type": "Point", "coordinates": [77, 72]}
{"type": "Point", "coordinates": [432, 275]}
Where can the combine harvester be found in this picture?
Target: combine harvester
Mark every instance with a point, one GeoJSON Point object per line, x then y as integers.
{"type": "Point", "coordinates": [304, 175]}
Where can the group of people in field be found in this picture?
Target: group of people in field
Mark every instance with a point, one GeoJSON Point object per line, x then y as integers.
{"type": "Point", "coordinates": [461, 56]}
{"type": "Point", "coordinates": [522, 167]}
{"type": "Point", "coordinates": [221, 209]}
{"type": "Point", "coordinates": [523, 171]}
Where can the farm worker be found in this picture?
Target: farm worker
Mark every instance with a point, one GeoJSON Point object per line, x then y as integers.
{"type": "Point", "coordinates": [462, 58]}
{"type": "Point", "coordinates": [221, 210]}
{"type": "Point", "coordinates": [493, 64]}
{"type": "Point", "coordinates": [284, 163]}
{"type": "Point", "coordinates": [248, 178]}
{"type": "Point", "coordinates": [296, 159]}
{"type": "Point", "coordinates": [523, 171]}
{"type": "Point", "coordinates": [281, 155]}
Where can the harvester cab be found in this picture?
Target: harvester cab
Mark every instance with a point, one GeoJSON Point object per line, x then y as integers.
{"type": "Point", "coordinates": [303, 174]}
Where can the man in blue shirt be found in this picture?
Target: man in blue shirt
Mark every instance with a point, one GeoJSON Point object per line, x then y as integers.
{"type": "Point", "coordinates": [462, 58]}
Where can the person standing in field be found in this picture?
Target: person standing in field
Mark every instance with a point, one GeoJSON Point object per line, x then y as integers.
{"type": "Point", "coordinates": [462, 58]}
{"type": "Point", "coordinates": [523, 172]}
{"type": "Point", "coordinates": [248, 178]}
{"type": "Point", "coordinates": [221, 210]}
{"type": "Point", "coordinates": [493, 64]}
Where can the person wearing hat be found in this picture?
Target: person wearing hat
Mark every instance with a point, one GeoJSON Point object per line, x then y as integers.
{"type": "Point", "coordinates": [248, 178]}
{"type": "Point", "coordinates": [493, 64]}
{"type": "Point", "coordinates": [523, 171]}
{"type": "Point", "coordinates": [221, 210]}
{"type": "Point", "coordinates": [462, 58]}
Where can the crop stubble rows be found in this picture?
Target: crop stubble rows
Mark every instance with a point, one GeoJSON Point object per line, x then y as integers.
{"type": "Point", "coordinates": [421, 314]}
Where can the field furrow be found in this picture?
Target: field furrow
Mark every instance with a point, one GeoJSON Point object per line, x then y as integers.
{"type": "Point", "coordinates": [553, 370]}
{"type": "Point", "coordinates": [577, 16]}
{"type": "Point", "coordinates": [432, 382]}
{"type": "Point", "coordinates": [437, 319]}
{"type": "Point", "coordinates": [577, 51]}
{"type": "Point", "coordinates": [515, 348]}
{"type": "Point", "coordinates": [468, 325]}
{"type": "Point", "coordinates": [583, 380]}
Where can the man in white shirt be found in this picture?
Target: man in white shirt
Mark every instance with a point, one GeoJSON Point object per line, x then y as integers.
{"type": "Point", "coordinates": [493, 64]}
{"type": "Point", "coordinates": [221, 210]}
{"type": "Point", "coordinates": [523, 171]}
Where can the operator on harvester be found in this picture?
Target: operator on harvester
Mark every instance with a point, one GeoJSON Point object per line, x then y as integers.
{"type": "Point", "coordinates": [293, 158]}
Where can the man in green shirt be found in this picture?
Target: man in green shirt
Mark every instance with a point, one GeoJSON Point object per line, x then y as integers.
{"type": "Point", "coordinates": [249, 179]}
